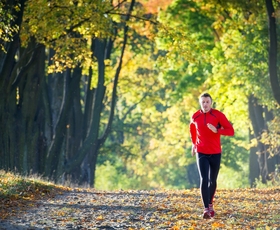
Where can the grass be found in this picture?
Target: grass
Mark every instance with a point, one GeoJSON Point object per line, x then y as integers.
{"type": "Point", "coordinates": [17, 192]}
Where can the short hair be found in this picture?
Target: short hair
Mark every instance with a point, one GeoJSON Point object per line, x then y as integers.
{"type": "Point", "coordinates": [206, 95]}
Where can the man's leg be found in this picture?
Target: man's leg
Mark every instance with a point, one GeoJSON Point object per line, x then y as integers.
{"type": "Point", "coordinates": [215, 161]}
{"type": "Point", "coordinates": [203, 169]}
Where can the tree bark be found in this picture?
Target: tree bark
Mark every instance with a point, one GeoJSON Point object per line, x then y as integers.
{"type": "Point", "coordinates": [255, 112]}
{"type": "Point", "coordinates": [259, 117]}
{"type": "Point", "coordinates": [88, 153]}
{"type": "Point", "coordinates": [273, 73]}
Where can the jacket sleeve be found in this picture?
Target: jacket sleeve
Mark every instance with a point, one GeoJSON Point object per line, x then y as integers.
{"type": "Point", "coordinates": [226, 127]}
{"type": "Point", "coordinates": [193, 133]}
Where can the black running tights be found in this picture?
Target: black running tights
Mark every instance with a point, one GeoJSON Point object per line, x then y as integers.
{"type": "Point", "coordinates": [208, 168]}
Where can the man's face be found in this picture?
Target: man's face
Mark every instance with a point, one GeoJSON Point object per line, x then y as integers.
{"type": "Point", "coordinates": [205, 104]}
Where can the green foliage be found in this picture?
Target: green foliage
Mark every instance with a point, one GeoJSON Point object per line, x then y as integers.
{"type": "Point", "coordinates": [150, 146]}
{"type": "Point", "coordinates": [207, 53]}
{"type": "Point", "coordinates": [231, 178]}
{"type": "Point", "coordinates": [109, 178]}
{"type": "Point", "coordinates": [235, 152]}
{"type": "Point", "coordinates": [170, 58]}
{"type": "Point", "coordinates": [8, 27]}
{"type": "Point", "coordinates": [67, 27]}
{"type": "Point", "coordinates": [273, 182]}
{"type": "Point", "coordinates": [215, 68]}
{"type": "Point", "coordinates": [190, 36]}
{"type": "Point", "coordinates": [271, 137]}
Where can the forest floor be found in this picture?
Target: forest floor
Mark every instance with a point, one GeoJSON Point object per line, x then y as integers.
{"type": "Point", "coordinates": [28, 204]}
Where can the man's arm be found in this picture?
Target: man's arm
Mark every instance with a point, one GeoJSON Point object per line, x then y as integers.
{"type": "Point", "coordinates": [226, 127]}
{"type": "Point", "coordinates": [193, 137]}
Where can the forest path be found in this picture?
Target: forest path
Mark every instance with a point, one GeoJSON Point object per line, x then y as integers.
{"type": "Point", "coordinates": [174, 210]}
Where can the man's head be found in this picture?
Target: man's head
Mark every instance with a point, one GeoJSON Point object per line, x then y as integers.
{"type": "Point", "coordinates": [205, 101]}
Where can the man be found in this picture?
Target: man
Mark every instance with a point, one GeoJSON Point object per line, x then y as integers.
{"type": "Point", "coordinates": [206, 127]}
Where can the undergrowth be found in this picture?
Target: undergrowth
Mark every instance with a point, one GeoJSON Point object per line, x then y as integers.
{"type": "Point", "coordinates": [20, 192]}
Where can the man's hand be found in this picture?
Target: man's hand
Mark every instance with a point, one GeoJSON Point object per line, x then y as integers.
{"type": "Point", "coordinates": [212, 127]}
{"type": "Point", "coordinates": [193, 150]}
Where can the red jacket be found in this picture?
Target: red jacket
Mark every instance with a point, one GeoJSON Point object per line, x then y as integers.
{"type": "Point", "coordinates": [205, 140]}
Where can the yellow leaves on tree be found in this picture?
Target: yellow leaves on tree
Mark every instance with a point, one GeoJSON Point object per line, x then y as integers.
{"type": "Point", "coordinates": [154, 6]}
{"type": "Point", "coordinates": [66, 28]}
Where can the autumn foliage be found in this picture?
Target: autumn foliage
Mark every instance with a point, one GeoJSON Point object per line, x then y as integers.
{"type": "Point", "coordinates": [18, 193]}
{"type": "Point", "coordinates": [141, 209]}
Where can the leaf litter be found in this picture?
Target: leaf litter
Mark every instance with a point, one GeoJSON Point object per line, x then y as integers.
{"type": "Point", "coordinates": [139, 209]}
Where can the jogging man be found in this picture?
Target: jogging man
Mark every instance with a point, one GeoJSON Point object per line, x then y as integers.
{"type": "Point", "coordinates": [206, 127]}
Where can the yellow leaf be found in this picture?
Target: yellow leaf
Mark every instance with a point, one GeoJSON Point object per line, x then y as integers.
{"type": "Point", "coordinates": [100, 217]}
{"type": "Point", "coordinates": [217, 224]}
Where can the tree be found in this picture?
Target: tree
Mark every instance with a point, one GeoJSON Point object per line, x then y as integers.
{"type": "Point", "coordinates": [273, 54]}
{"type": "Point", "coordinates": [68, 71]}
{"type": "Point", "coordinates": [9, 70]}
{"type": "Point", "coordinates": [57, 119]}
{"type": "Point", "coordinates": [236, 72]}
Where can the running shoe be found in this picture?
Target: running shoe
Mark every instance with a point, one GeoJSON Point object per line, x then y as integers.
{"type": "Point", "coordinates": [206, 214]}
{"type": "Point", "coordinates": [211, 210]}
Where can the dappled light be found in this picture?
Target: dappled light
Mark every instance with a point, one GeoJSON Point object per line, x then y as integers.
{"type": "Point", "coordinates": [96, 99]}
{"type": "Point", "coordinates": [132, 209]}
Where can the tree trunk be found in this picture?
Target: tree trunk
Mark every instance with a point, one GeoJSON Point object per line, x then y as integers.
{"type": "Point", "coordinates": [254, 170]}
{"type": "Point", "coordinates": [45, 127]}
{"type": "Point", "coordinates": [8, 108]}
{"type": "Point", "coordinates": [20, 98]}
{"type": "Point", "coordinates": [31, 113]}
{"type": "Point", "coordinates": [90, 145]}
{"type": "Point", "coordinates": [255, 113]}
{"type": "Point", "coordinates": [88, 153]}
{"type": "Point", "coordinates": [273, 75]}
{"type": "Point", "coordinates": [259, 116]}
